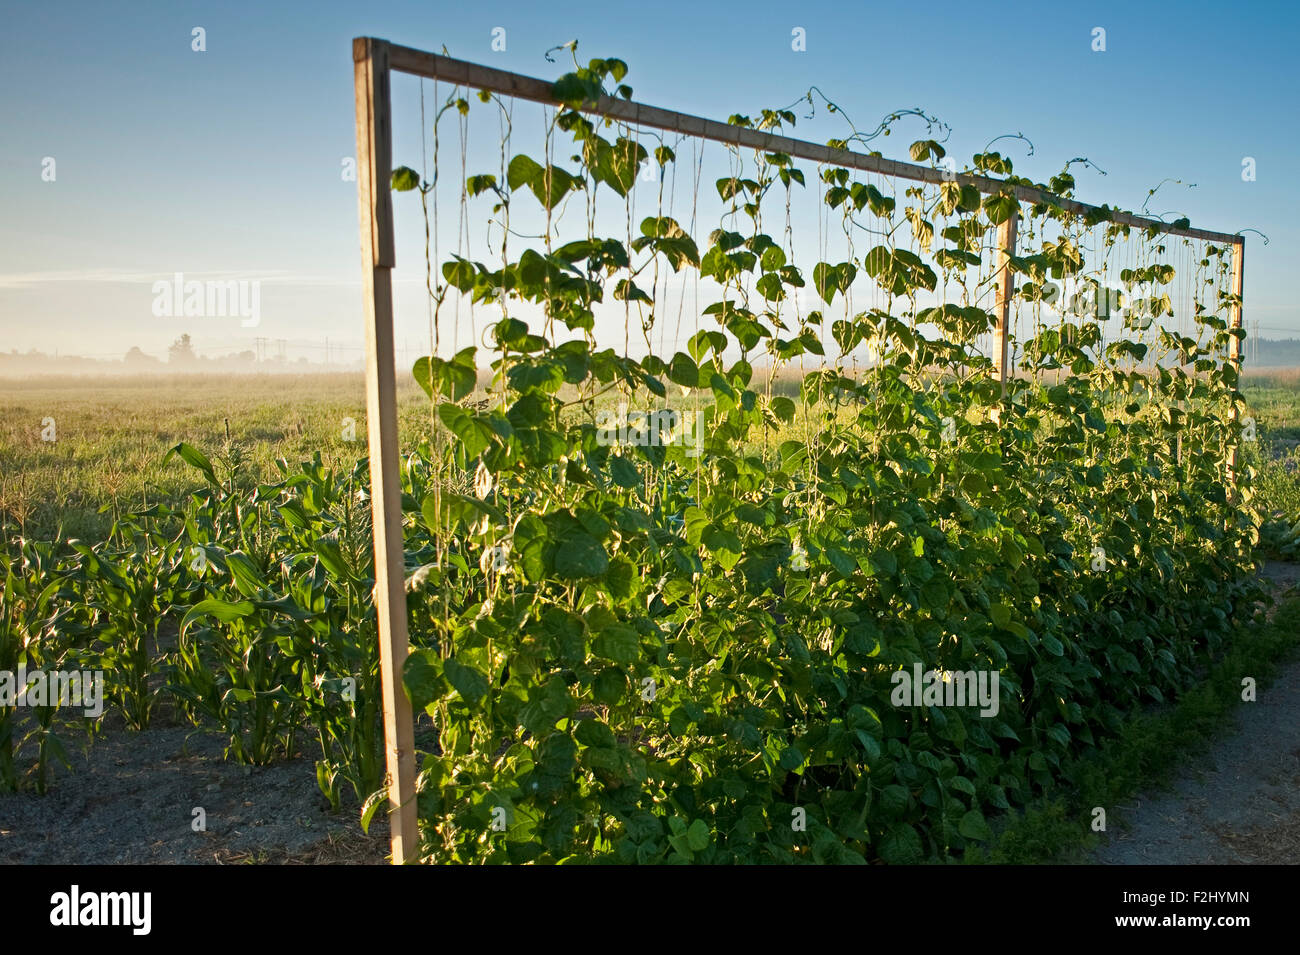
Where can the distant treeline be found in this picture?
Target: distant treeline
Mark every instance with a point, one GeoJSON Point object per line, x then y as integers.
{"type": "Point", "coordinates": [136, 362]}
{"type": "Point", "coordinates": [1261, 355]}
{"type": "Point", "coordinates": [1273, 353]}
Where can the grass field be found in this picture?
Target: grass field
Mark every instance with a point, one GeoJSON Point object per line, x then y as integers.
{"type": "Point", "coordinates": [111, 438]}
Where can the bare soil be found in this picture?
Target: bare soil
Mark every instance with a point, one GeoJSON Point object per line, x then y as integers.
{"type": "Point", "coordinates": [130, 798]}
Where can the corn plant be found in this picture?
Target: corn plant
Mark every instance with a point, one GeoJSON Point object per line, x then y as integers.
{"type": "Point", "coordinates": [30, 616]}
{"type": "Point", "coordinates": [128, 592]}
{"type": "Point", "coordinates": [327, 577]}
{"type": "Point", "coordinates": [284, 637]}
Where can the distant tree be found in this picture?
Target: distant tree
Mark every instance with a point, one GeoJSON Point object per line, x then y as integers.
{"type": "Point", "coordinates": [136, 357]}
{"type": "Point", "coordinates": [181, 352]}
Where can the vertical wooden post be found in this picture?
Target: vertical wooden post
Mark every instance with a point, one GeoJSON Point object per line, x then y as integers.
{"type": "Point", "coordinates": [1234, 343]}
{"type": "Point", "coordinates": [374, 173]}
{"type": "Point", "coordinates": [1238, 285]}
{"type": "Point", "coordinates": [1005, 287]}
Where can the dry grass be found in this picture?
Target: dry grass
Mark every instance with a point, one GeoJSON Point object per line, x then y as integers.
{"type": "Point", "coordinates": [1274, 843]}
{"type": "Point", "coordinates": [351, 848]}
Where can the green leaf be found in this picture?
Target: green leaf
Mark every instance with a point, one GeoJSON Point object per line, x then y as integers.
{"type": "Point", "coordinates": [901, 845]}
{"type": "Point", "coordinates": [925, 148]}
{"type": "Point", "coordinates": [962, 784]}
{"type": "Point", "coordinates": [376, 801]}
{"type": "Point", "coordinates": [195, 459]}
{"type": "Point", "coordinates": [223, 610]}
{"type": "Point", "coordinates": [469, 681]}
{"type": "Point", "coordinates": [549, 183]}
{"type": "Point", "coordinates": [422, 675]}
{"type": "Point", "coordinates": [683, 371]}
{"type": "Point", "coordinates": [894, 799]}
{"type": "Point", "coordinates": [624, 471]}
{"type": "Point", "coordinates": [577, 89]}
{"type": "Point", "coordinates": [331, 557]}
{"type": "Point", "coordinates": [667, 237]}
{"type": "Point", "coordinates": [580, 555]}
{"type": "Point", "coordinates": [884, 563]}
{"type": "Point", "coordinates": [475, 434]}
{"type": "Point", "coordinates": [609, 687]}
{"type": "Point", "coordinates": [618, 643]}
{"type": "Point", "coordinates": [973, 826]}
{"type": "Point", "coordinates": [522, 171]}
{"type": "Point", "coordinates": [999, 208]}
{"type": "Point", "coordinates": [247, 575]}
{"type": "Point", "coordinates": [450, 379]}
{"type": "Point", "coordinates": [531, 540]}
{"type": "Point", "coordinates": [783, 408]}
{"type": "Point", "coordinates": [724, 545]}
{"type": "Point", "coordinates": [595, 732]}
{"type": "Point", "coordinates": [697, 836]}
{"type": "Point", "coordinates": [405, 179]}
{"type": "Point", "coordinates": [1000, 614]}
{"type": "Point", "coordinates": [460, 273]}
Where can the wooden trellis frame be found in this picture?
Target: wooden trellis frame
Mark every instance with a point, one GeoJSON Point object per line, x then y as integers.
{"type": "Point", "coordinates": [374, 61]}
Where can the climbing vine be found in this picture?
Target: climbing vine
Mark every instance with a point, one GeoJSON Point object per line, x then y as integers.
{"type": "Point", "coordinates": [682, 642]}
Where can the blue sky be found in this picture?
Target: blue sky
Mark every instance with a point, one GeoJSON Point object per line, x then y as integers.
{"type": "Point", "coordinates": [226, 163]}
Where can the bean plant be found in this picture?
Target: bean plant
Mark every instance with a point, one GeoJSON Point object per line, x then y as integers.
{"type": "Point", "coordinates": [637, 654]}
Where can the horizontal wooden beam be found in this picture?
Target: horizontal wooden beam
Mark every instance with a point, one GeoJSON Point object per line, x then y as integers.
{"type": "Point", "coordinates": [460, 72]}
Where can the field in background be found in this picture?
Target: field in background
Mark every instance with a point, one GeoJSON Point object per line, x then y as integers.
{"type": "Point", "coordinates": [112, 436]}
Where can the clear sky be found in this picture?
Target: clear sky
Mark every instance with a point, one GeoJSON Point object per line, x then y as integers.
{"type": "Point", "coordinates": [226, 163]}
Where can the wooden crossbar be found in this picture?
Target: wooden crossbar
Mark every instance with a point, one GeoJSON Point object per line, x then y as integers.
{"type": "Point", "coordinates": [436, 67]}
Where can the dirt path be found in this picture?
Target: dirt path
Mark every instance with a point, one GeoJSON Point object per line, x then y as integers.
{"type": "Point", "coordinates": [130, 798]}
{"type": "Point", "coordinates": [1240, 803]}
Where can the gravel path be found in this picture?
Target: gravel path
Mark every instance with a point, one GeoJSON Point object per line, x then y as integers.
{"type": "Point", "coordinates": [1240, 803]}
